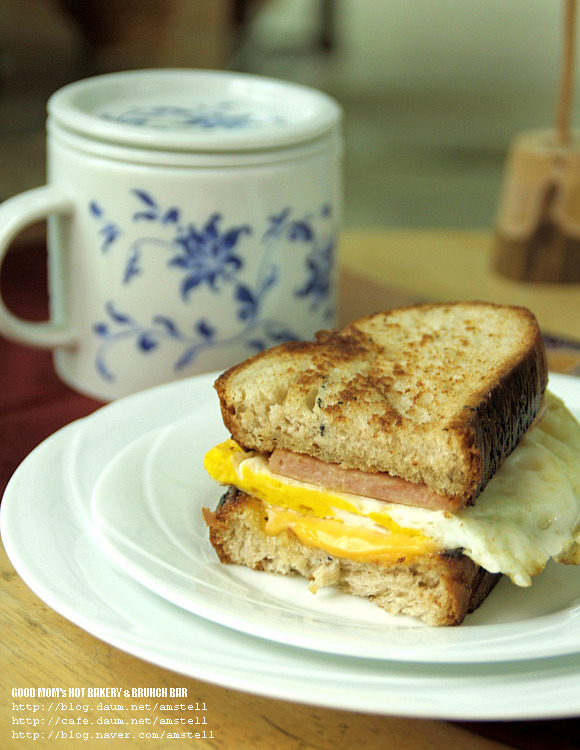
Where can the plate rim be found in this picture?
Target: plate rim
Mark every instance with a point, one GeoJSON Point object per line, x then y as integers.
{"type": "Point", "coordinates": [498, 693]}
{"type": "Point", "coordinates": [485, 642]}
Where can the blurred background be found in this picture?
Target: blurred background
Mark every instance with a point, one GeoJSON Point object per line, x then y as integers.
{"type": "Point", "coordinates": [433, 90]}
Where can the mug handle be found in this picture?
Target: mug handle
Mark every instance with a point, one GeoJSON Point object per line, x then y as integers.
{"type": "Point", "coordinates": [15, 215]}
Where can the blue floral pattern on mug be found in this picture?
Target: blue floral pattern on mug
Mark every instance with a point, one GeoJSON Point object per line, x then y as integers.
{"type": "Point", "coordinates": [210, 256]}
{"type": "Point", "coordinates": [207, 255]}
{"type": "Point", "coordinates": [109, 231]}
{"type": "Point", "coordinates": [222, 115]}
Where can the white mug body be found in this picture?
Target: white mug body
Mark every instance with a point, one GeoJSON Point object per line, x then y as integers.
{"type": "Point", "coordinates": [165, 264]}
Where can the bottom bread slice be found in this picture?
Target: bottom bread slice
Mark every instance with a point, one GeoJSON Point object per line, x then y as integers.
{"type": "Point", "coordinates": [438, 588]}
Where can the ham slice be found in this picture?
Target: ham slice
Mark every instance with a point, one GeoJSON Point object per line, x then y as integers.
{"type": "Point", "coordinates": [380, 486]}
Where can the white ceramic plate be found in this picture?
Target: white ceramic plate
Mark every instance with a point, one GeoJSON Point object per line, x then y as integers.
{"type": "Point", "coordinates": [147, 507]}
{"type": "Point", "coordinates": [46, 530]}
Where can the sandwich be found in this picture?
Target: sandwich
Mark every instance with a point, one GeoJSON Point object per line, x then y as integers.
{"type": "Point", "coordinates": [413, 458]}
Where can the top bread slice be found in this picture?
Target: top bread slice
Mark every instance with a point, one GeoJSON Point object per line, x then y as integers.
{"type": "Point", "coordinates": [438, 394]}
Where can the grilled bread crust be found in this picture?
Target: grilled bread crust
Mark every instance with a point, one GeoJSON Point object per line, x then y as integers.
{"type": "Point", "coordinates": [440, 589]}
{"type": "Point", "coordinates": [438, 394]}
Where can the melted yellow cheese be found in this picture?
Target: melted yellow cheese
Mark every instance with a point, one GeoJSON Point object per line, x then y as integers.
{"type": "Point", "coordinates": [529, 511]}
{"type": "Point", "coordinates": [351, 541]}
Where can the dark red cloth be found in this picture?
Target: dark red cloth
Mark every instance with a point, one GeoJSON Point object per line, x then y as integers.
{"type": "Point", "coordinates": [34, 404]}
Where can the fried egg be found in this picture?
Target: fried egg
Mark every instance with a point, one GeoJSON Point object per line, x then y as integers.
{"type": "Point", "coordinates": [528, 513]}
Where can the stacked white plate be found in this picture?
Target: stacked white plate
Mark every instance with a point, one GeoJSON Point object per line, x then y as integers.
{"type": "Point", "coordinates": [104, 523]}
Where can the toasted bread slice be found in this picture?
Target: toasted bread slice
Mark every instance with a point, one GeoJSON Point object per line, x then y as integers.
{"type": "Point", "coordinates": [438, 588]}
{"type": "Point", "coordinates": [438, 394]}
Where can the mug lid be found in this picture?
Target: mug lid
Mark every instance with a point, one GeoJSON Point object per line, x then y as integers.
{"type": "Point", "coordinates": [194, 110]}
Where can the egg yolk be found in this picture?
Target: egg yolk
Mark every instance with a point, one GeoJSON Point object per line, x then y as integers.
{"type": "Point", "coordinates": [311, 513]}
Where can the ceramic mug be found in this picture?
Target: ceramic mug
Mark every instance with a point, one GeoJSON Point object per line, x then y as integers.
{"type": "Point", "coordinates": [192, 218]}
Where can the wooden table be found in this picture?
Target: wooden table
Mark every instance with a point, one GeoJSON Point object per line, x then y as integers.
{"type": "Point", "coordinates": [38, 647]}
{"type": "Point", "coordinates": [402, 266]}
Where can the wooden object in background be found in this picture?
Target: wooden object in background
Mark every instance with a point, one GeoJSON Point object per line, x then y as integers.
{"type": "Point", "coordinates": [538, 223]}
{"type": "Point", "coordinates": [537, 236]}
